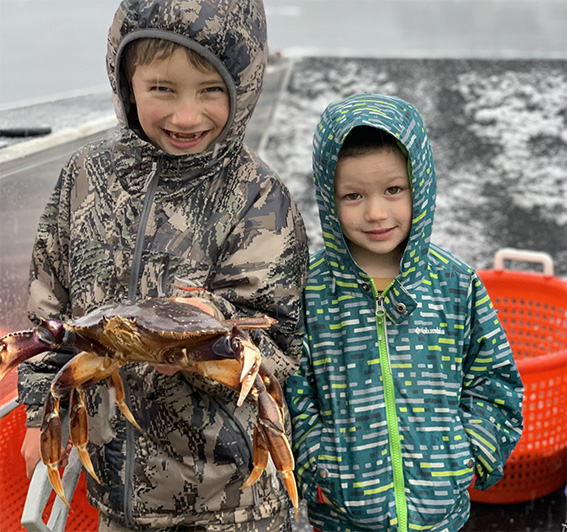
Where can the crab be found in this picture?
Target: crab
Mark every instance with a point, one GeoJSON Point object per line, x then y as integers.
{"type": "Point", "coordinates": [182, 332]}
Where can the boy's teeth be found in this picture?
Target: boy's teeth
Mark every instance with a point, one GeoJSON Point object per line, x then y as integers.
{"type": "Point", "coordinates": [180, 136]}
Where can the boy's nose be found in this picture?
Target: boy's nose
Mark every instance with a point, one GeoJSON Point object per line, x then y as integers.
{"type": "Point", "coordinates": [375, 211]}
{"type": "Point", "coordinates": [187, 113]}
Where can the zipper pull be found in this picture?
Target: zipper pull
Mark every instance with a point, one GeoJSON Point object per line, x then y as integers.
{"type": "Point", "coordinates": [380, 311]}
{"type": "Point", "coordinates": [150, 177]}
{"type": "Point", "coordinates": [381, 322]}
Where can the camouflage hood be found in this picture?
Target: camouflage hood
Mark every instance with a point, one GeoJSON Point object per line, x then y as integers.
{"type": "Point", "coordinates": [230, 34]}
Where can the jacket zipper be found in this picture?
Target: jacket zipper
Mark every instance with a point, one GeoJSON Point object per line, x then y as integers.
{"type": "Point", "coordinates": [150, 189]}
{"type": "Point", "coordinates": [391, 414]}
{"type": "Point", "coordinates": [150, 186]}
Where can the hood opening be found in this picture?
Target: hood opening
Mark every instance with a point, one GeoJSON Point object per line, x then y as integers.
{"type": "Point", "coordinates": [123, 89]}
{"type": "Point", "coordinates": [402, 121]}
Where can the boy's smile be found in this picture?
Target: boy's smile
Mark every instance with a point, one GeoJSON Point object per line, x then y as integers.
{"type": "Point", "coordinates": [181, 108]}
{"type": "Point", "coordinates": [374, 207]}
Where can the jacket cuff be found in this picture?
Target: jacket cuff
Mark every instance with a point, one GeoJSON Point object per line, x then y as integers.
{"type": "Point", "coordinates": [34, 415]}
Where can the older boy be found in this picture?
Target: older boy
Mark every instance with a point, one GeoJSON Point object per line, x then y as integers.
{"type": "Point", "coordinates": [174, 197]}
{"type": "Point", "coordinates": [407, 385]}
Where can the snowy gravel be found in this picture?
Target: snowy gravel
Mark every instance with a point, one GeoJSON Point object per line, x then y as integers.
{"type": "Point", "coordinates": [498, 135]}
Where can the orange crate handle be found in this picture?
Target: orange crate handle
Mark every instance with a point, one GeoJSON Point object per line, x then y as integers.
{"type": "Point", "coordinates": [537, 257]}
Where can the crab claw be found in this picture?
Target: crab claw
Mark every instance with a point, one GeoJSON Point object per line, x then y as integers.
{"type": "Point", "coordinates": [20, 346]}
{"type": "Point", "coordinates": [50, 444]}
{"type": "Point", "coordinates": [250, 358]}
{"type": "Point", "coordinates": [269, 436]}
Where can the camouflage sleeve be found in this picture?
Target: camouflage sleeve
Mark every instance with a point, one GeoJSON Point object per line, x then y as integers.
{"type": "Point", "coordinates": [48, 296]}
{"type": "Point", "coordinates": [263, 269]}
{"type": "Point", "coordinates": [491, 400]}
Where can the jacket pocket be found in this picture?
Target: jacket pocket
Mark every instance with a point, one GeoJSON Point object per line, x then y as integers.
{"type": "Point", "coordinates": [463, 460]}
{"type": "Point", "coordinates": [327, 473]}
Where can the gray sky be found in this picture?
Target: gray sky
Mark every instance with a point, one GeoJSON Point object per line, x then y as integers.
{"type": "Point", "coordinates": [56, 48]}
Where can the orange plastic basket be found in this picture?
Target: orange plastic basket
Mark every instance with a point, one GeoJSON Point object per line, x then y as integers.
{"type": "Point", "coordinates": [14, 484]}
{"type": "Point", "coordinates": [533, 310]}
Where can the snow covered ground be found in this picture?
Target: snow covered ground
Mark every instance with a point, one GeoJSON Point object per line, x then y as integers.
{"type": "Point", "coordinates": [498, 134]}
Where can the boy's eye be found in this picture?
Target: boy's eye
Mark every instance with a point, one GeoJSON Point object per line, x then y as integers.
{"type": "Point", "coordinates": [215, 88]}
{"type": "Point", "coordinates": [391, 191]}
{"type": "Point", "coordinates": [159, 88]}
{"type": "Point", "coordinates": [353, 196]}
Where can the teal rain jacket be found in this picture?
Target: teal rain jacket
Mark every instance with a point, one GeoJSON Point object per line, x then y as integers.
{"type": "Point", "coordinates": [400, 397]}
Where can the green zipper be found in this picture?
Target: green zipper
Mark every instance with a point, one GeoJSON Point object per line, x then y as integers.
{"type": "Point", "coordinates": [391, 414]}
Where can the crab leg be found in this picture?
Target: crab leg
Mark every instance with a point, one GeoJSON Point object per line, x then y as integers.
{"type": "Point", "coordinates": [257, 322]}
{"type": "Point", "coordinates": [260, 458]}
{"type": "Point", "coordinates": [50, 443]}
{"type": "Point", "coordinates": [82, 370]}
{"type": "Point", "coordinates": [80, 430]}
{"type": "Point", "coordinates": [116, 382]}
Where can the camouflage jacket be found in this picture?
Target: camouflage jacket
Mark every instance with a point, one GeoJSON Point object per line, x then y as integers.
{"type": "Point", "coordinates": [128, 221]}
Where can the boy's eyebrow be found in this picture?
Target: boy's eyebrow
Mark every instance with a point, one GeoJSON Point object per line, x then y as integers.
{"type": "Point", "coordinates": [213, 78]}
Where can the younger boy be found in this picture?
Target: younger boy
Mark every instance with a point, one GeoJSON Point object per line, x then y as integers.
{"type": "Point", "coordinates": [407, 387]}
{"type": "Point", "coordinates": [174, 197]}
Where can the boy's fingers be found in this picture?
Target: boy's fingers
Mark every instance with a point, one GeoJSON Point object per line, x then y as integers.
{"type": "Point", "coordinates": [30, 449]}
{"type": "Point", "coordinates": [167, 369]}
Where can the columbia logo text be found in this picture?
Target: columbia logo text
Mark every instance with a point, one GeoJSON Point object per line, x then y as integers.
{"type": "Point", "coordinates": [427, 330]}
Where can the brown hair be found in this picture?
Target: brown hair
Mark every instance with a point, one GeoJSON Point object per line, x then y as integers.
{"type": "Point", "coordinates": [144, 51]}
{"type": "Point", "coordinates": [366, 139]}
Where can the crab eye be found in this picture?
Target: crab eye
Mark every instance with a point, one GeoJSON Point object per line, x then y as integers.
{"type": "Point", "coordinates": [223, 347]}
{"type": "Point", "coordinates": [236, 346]}
{"type": "Point", "coordinates": [45, 336]}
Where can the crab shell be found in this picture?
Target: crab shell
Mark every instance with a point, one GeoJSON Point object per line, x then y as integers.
{"type": "Point", "coordinates": [147, 330]}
